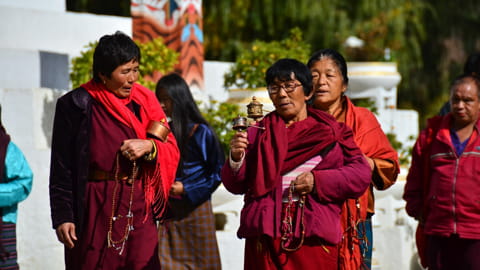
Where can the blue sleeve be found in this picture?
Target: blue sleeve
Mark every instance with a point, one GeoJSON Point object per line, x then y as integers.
{"type": "Point", "coordinates": [17, 178]}
{"type": "Point", "coordinates": [202, 176]}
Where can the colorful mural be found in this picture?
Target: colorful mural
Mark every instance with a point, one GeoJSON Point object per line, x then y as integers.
{"type": "Point", "coordinates": [179, 23]}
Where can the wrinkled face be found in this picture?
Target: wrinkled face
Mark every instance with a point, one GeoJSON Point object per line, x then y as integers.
{"type": "Point", "coordinates": [289, 99]}
{"type": "Point", "coordinates": [165, 101]}
{"type": "Point", "coordinates": [328, 84]}
{"type": "Point", "coordinates": [465, 103]}
{"type": "Point", "coordinates": [122, 78]}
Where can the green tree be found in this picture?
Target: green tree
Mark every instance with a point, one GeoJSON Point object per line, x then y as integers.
{"type": "Point", "coordinates": [323, 23]}
{"type": "Point", "coordinates": [450, 39]}
{"type": "Point", "coordinates": [430, 40]}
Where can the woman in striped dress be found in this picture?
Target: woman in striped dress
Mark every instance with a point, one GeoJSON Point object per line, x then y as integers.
{"type": "Point", "coordinates": [187, 239]}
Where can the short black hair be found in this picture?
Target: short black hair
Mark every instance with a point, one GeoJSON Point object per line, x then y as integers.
{"type": "Point", "coordinates": [113, 51]}
{"type": "Point", "coordinates": [335, 57]}
{"type": "Point", "coordinates": [282, 70]}
{"type": "Point", "coordinates": [463, 79]}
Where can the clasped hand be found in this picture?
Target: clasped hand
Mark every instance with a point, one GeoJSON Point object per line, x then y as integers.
{"type": "Point", "coordinates": [134, 149]}
{"type": "Point", "coordinates": [304, 183]}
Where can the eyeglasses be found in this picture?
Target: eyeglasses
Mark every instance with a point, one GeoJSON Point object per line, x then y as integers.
{"type": "Point", "coordinates": [288, 87]}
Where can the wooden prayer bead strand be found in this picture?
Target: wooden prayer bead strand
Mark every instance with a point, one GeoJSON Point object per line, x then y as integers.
{"type": "Point", "coordinates": [129, 216]}
{"type": "Point", "coordinates": [289, 231]}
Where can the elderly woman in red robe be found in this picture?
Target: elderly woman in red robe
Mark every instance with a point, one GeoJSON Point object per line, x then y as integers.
{"type": "Point", "coordinates": [113, 162]}
{"type": "Point", "coordinates": [330, 81]}
{"type": "Point", "coordinates": [296, 168]}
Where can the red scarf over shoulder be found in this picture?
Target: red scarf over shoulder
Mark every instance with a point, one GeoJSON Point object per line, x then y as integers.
{"type": "Point", "coordinates": [374, 144]}
{"type": "Point", "coordinates": [157, 179]}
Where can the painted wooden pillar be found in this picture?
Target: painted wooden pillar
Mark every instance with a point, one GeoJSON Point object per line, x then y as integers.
{"type": "Point", "coordinates": [180, 24]}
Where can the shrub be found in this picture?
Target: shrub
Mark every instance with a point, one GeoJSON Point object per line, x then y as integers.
{"type": "Point", "coordinates": [249, 69]}
{"type": "Point", "coordinates": [220, 117]}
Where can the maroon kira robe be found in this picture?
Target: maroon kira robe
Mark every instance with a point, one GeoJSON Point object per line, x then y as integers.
{"type": "Point", "coordinates": [91, 250]}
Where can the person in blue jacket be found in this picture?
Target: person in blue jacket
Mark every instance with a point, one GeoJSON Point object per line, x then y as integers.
{"type": "Point", "coordinates": [15, 185]}
{"type": "Point", "coordinates": [187, 239]}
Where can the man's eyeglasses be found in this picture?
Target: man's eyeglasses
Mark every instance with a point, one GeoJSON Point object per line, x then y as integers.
{"type": "Point", "coordinates": [288, 87]}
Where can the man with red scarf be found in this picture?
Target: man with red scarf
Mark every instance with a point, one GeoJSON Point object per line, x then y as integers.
{"type": "Point", "coordinates": [113, 162]}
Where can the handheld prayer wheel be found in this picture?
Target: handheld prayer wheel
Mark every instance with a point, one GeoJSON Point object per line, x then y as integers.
{"type": "Point", "coordinates": [239, 123]}
{"type": "Point", "coordinates": [254, 109]}
{"type": "Point", "coordinates": [159, 129]}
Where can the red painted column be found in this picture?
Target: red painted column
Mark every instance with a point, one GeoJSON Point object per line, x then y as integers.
{"type": "Point", "coordinates": [180, 24]}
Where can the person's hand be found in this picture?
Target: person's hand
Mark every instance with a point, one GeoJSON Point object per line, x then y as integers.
{"type": "Point", "coordinates": [304, 183]}
{"type": "Point", "coordinates": [370, 162]}
{"type": "Point", "coordinates": [238, 144]}
{"type": "Point", "coordinates": [66, 234]}
{"type": "Point", "coordinates": [177, 188]}
{"type": "Point", "coordinates": [134, 149]}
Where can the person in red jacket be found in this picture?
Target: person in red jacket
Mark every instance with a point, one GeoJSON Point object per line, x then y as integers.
{"type": "Point", "coordinates": [442, 189]}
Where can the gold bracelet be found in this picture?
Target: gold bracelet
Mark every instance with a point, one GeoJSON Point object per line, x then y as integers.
{"type": "Point", "coordinates": [151, 156]}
